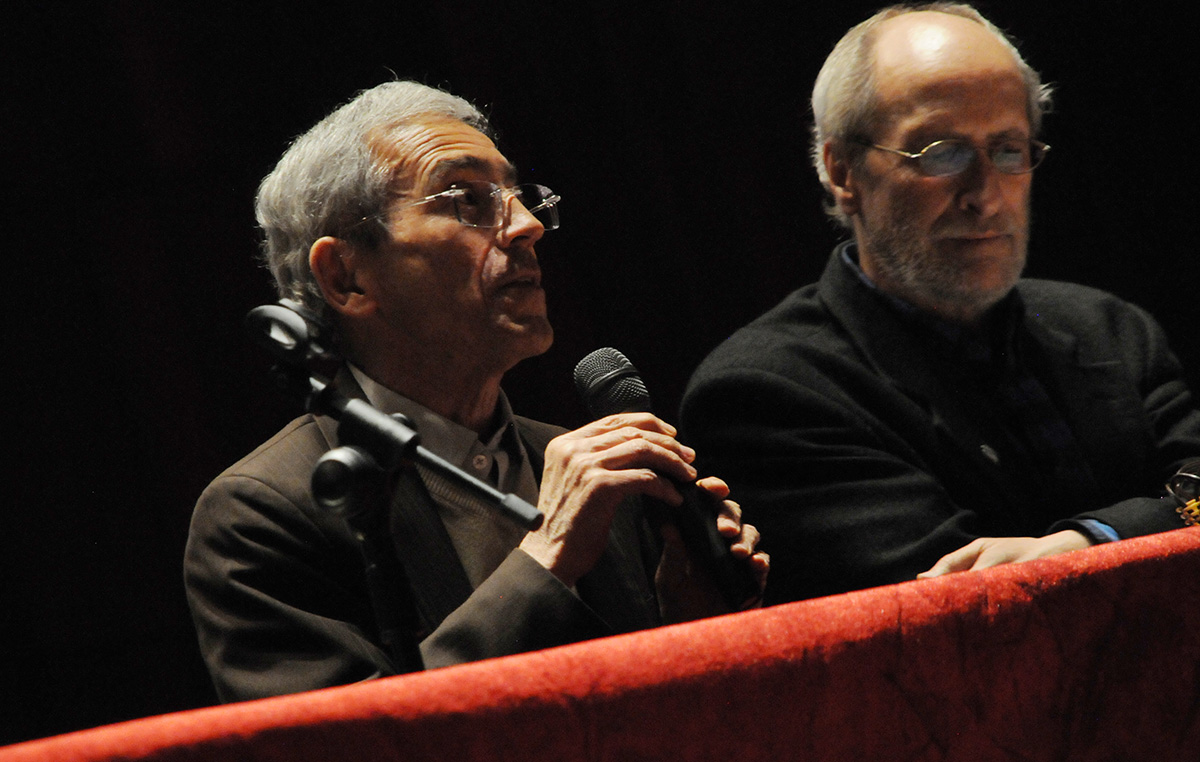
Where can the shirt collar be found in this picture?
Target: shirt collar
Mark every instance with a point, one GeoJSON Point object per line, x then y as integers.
{"type": "Point", "coordinates": [453, 442]}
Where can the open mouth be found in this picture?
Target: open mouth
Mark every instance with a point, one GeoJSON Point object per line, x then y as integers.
{"type": "Point", "coordinates": [529, 280]}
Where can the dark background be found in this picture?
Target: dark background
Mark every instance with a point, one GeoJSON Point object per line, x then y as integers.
{"type": "Point", "coordinates": [134, 134]}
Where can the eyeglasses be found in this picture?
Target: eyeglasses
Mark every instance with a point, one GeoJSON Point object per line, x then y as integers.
{"type": "Point", "coordinates": [946, 158]}
{"type": "Point", "coordinates": [1184, 487]}
{"type": "Point", "coordinates": [481, 204]}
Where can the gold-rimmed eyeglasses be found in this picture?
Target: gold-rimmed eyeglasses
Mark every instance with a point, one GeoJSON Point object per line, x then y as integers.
{"type": "Point", "coordinates": [946, 158]}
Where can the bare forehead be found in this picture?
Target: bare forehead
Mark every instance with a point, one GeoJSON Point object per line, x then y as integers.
{"type": "Point", "coordinates": [429, 149]}
{"type": "Point", "coordinates": [924, 52]}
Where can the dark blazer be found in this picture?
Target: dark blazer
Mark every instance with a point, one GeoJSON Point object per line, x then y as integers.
{"type": "Point", "coordinates": [862, 465]}
{"type": "Point", "coordinates": [279, 596]}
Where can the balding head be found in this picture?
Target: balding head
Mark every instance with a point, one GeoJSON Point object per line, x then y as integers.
{"type": "Point", "coordinates": [846, 99]}
{"type": "Point", "coordinates": [918, 56]}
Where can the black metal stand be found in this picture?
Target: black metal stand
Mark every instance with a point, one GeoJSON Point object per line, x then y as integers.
{"type": "Point", "coordinates": [348, 481]}
{"type": "Point", "coordinates": [353, 479]}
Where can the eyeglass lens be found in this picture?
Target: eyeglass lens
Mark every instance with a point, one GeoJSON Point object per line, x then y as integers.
{"type": "Point", "coordinates": [1184, 486]}
{"type": "Point", "coordinates": [485, 205]}
{"type": "Point", "coordinates": [950, 157]}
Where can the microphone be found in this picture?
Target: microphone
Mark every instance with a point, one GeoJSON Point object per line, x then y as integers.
{"type": "Point", "coordinates": [609, 384]}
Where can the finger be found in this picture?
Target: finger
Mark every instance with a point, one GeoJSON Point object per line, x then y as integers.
{"type": "Point", "coordinates": [603, 441]}
{"type": "Point", "coordinates": [959, 560]}
{"type": "Point", "coordinates": [1001, 551]}
{"type": "Point", "coordinates": [729, 519]}
{"type": "Point", "coordinates": [761, 564]}
{"type": "Point", "coordinates": [714, 486]}
{"type": "Point", "coordinates": [746, 543]}
{"type": "Point", "coordinates": [592, 438]}
{"type": "Point", "coordinates": [630, 481]}
{"type": "Point", "coordinates": [646, 452]}
{"type": "Point", "coordinates": [643, 421]}
{"type": "Point", "coordinates": [944, 565]}
{"type": "Point", "coordinates": [626, 448]}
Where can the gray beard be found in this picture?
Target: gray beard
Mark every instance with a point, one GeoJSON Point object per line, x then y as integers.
{"type": "Point", "coordinates": [917, 273]}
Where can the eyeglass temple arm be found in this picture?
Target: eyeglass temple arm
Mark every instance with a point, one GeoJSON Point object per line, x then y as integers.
{"type": "Point", "coordinates": [897, 151]}
{"type": "Point", "coordinates": [547, 202]}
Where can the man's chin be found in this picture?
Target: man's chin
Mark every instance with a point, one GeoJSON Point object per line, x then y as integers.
{"type": "Point", "coordinates": [966, 301]}
{"type": "Point", "coordinates": [985, 266]}
{"type": "Point", "coordinates": [533, 334]}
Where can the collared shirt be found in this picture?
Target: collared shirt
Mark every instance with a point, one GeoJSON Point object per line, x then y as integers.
{"type": "Point", "coordinates": [1027, 425]}
{"type": "Point", "coordinates": [481, 536]}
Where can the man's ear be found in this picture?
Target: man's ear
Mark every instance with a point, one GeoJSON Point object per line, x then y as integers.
{"type": "Point", "coordinates": [334, 264]}
{"type": "Point", "coordinates": [842, 178]}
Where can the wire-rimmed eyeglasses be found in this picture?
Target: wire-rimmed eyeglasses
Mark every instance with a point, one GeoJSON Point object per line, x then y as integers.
{"type": "Point", "coordinates": [481, 204]}
{"type": "Point", "coordinates": [1184, 487]}
{"type": "Point", "coordinates": [946, 158]}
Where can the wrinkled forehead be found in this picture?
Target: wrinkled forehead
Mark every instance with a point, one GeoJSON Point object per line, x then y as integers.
{"type": "Point", "coordinates": [427, 151]}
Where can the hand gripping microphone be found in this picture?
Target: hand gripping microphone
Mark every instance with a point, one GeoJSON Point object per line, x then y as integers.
{"type": "Point", "coordinates": [609, 384]}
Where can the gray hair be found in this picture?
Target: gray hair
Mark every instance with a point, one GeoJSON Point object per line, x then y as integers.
{"type": "Point", "coordinates": [843, 99]}
{"type": "Point", "coordinates": [337, 174]}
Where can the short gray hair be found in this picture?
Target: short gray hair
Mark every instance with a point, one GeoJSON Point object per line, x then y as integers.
{"type": "Point", "coordinates": [337, 174]}
{"type": "Point", "coordinates": [843, 99]}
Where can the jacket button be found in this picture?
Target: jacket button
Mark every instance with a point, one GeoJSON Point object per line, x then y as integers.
{"type": "Point", "coordinates": [989, 453]}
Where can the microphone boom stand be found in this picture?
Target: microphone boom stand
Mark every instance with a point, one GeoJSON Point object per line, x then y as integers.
{"type": "Point", "coordinates": [352, 479]}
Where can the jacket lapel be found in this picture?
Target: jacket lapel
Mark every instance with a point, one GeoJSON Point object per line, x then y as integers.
{"type": "Point", "coordinates": [434, 574]}
{"type": "Point", "coordinates": [896, 355]}
{"type": "Point", "coordinates": [1106, 414]}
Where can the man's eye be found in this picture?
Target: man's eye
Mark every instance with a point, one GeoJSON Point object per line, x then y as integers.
{"type": "Point", "coordinates": [946, 150]}
{"type": "Point", "coordinates": [470, 196]}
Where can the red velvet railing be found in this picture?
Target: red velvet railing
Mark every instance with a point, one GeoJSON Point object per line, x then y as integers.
{"type": "Point", "coordinates": [1090, 655]}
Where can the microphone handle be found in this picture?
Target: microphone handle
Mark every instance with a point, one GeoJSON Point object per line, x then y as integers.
{"type": "Point", "coordinates": [696, 520]}
{"type": "Point", "coordinates": [608, 384]}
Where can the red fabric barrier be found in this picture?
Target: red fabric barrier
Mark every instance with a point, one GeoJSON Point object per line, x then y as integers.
{"type": "Point", "coordinates": [1090, 656]}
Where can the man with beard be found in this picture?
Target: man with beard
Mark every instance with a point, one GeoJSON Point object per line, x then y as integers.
{"type": "Point", "coordinates": [922, 410]}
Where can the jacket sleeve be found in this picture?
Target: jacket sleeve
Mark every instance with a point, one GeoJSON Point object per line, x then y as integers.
{"type": "Point", "coordinates": [1172, 421]}
{"type": "Point", "coordinates": [278, 597]}
{"type": "Point", "coordinates": [278, 602]}
{"type": "Point", "coordinates": [842, 502]}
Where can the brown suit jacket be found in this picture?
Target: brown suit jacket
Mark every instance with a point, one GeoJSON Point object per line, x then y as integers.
{"type": "Point", "coordinates": [279, 596]}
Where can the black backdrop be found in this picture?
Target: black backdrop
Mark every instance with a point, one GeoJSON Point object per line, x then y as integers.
{"type": "Point", "coordinates": [134, 134]}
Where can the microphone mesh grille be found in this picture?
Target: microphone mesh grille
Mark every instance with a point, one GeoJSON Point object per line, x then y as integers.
{"type": "Point", "coordinates": [608, 384]}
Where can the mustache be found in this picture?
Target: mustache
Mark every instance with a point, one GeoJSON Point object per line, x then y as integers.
{"type": "Point", "coordinates": [979, 230]}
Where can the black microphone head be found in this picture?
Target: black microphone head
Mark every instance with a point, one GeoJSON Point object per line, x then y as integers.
{"type": "Point", "coordinates": [609, 384]}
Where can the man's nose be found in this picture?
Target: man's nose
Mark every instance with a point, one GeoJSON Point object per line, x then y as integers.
{"type": "Point", "coordinates": [519, 223]}
{"type": "Point", "coordinates": [981, 191]}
